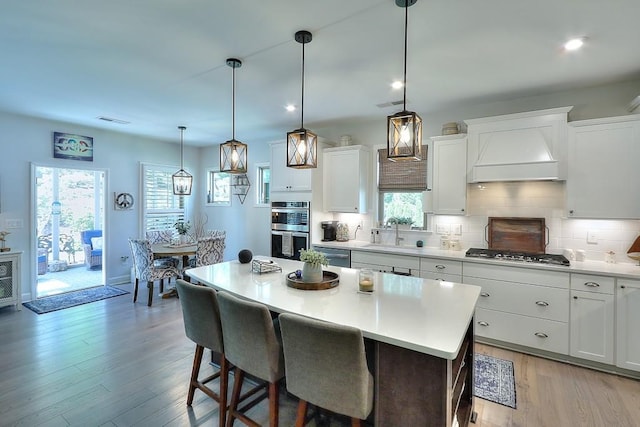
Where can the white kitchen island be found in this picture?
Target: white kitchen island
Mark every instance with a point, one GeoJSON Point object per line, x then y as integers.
{"type": "Point", "coordinates": [419, 333]}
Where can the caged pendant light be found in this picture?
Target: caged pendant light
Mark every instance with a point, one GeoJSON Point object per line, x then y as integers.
{"type": "Point", "coordinates": [182, 180]}
{"type": "Point", "coordinates": [404, 129]}
{"type": "Point", "coordinates": [233, 153]}
{"type": "Point", "coordinates": [302, 144]}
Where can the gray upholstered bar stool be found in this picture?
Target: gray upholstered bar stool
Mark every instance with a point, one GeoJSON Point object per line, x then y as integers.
{"type": "Point", "coordinates": [326, 366]}
{"type": "Point", "coordinates": [252, 345]}
{"type": "Point", "coordinates": [202, 325]}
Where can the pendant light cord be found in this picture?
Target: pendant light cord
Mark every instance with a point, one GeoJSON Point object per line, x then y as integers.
{"type": "Point", "coordinates": [302, 106]}
{"type": "Point", "coordinates": [181, 147]}
{"type": "Point", "coordinates": [233, 104]}
{"type": "Point", "coordinates": [406, 24]}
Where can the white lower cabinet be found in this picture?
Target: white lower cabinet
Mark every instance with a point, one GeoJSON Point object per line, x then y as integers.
{"type": "Point", "coordinates": [386, 263]}
{"type": "Point", "coordinates": [592, 318]}
{"type": "Point", "coordinates": [441, 269]}
{"type": "Point", "coordinates": [10, 289]}
{"type": "Point", "coordinates": [521, 306]}
{"type": "Point", "coordinates": [628, 321]}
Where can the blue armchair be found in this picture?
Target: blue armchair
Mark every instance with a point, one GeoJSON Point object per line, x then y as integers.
{"type": "Point", "coordinates": [92, 245]}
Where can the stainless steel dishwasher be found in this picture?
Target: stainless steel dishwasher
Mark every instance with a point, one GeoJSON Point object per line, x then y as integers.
{"type": "Point", "coordinates": [336, 257]}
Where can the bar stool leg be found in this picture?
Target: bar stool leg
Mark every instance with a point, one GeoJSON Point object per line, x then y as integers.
{"type": "Point", "coordinates": [302, 413]}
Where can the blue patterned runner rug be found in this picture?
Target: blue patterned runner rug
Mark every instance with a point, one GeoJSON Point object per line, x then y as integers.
{"type": "Point", "coordinates": [494, 380]}
{"type": "Point", "coordinates": [72, 299]}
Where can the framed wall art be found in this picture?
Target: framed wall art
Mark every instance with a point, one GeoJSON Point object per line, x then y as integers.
{"type": "Point", "coordinates": [122, 201]}
{"type": "Point", "coordinates": [73, 147]}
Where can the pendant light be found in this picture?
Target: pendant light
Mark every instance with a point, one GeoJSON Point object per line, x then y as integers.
{"type": "Point", "coordinates": [182, 180]}
{"type": "Point", "coordinates": [233, 153]}
{"type": "Point", "coordinates": [302, 144]}
{"type": "Point", "coordinates": [404, 129]}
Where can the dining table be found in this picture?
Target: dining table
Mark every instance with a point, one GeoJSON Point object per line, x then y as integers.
{"type": "Point", "coordinates": [419, 333]}
{"type": "Point", "coordinates": [182, 250]}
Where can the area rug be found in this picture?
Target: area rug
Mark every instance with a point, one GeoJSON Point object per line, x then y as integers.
{"type": "Point", "coordinates": [72, 299]}
{"type": "Point", "coordinates": [494, 380]}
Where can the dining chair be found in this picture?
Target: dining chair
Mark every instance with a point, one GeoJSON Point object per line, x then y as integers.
{"type": "Point", "coordinates": [145, 268]}
{"type": "Point", "coordinates": [209, 250]}
{"type": "Point", "coordinates": [326, 366]}
{"type": "Point", "coordinates": [251, 344]}
{"type": "Point", "coordinates": [162, 236]}
{"type": "Point", "coordinates": [202, 325]}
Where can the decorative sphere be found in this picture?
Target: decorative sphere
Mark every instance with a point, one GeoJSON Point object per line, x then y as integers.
{"type": "Point", "coordinates": [245, 256]}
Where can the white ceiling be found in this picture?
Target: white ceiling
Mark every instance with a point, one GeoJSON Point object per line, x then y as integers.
{"type": "Point", "coordinates": [161, 63]}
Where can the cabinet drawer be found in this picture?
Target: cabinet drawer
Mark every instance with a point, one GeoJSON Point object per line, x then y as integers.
{"type": "Point", "coordinates": [531, 276]}
{"type": "Point", "coordinates": [385, 268]}
{"type": "Point", "coordinates": [441, 276]}
{"type": "Point", "coordinates": [382, 259]}
{"type": "Point", "coordinates": [530, 300]}
{"type": "Point", "coordinates": [441, 266]}
{"type": "Point", "coordinates": [540, 334]}
{"type": "Point", "coordinates": [591, 283]}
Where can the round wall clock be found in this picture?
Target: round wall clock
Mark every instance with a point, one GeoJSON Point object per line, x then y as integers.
{"type": "Point", "coordinates": [123, 201]}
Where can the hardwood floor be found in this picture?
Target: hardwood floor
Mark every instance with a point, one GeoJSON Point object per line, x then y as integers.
{"type": "Point", "coordinates": [115, 363]}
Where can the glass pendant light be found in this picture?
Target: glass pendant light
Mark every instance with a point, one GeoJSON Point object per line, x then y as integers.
{"type": "Point", "coordinates": [302, 144]}
{"type": "Point", "coordinates": [182, 180]}
{"type": "Point", "coordinates": [233, 153]}
{"type": "Point", "coordinates": [404, 129]}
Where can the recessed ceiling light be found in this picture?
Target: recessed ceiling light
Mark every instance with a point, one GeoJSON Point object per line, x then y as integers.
{"type": "Point", "coordinates": [290, 107]}
{"type": "Point", "coordinates": [574, 44]}
{"type": "Point", "coordinates": [397, 84]}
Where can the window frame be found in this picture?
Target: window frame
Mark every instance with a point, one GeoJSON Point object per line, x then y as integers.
{"type": "Point", "coordinates": [163, 217]}
{"type": "Point", "coordinates": [212, 198]}
{"type": "Point", "coordinates": [260, 168]}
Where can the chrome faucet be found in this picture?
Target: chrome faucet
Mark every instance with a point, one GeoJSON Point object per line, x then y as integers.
{"type": "Point", "coordinates": [398, 238]}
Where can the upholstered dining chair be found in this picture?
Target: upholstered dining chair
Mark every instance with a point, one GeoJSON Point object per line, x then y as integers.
{"type": "Point", "coordinates": [162, 236]}
{"type": "Point", "coordinates": [326, 366]}
{"type": "Point", "coordinates": [251, 344]}
{"type": "Point", "coordinates": [145, 269]}
{"type": "Point", "coordinates": [202, 325]}
{"type": "Point", "coordinates": [210, 250]}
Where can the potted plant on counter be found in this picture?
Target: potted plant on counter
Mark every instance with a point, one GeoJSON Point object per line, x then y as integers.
{"type": "Point", "coordinates": [313, 262]}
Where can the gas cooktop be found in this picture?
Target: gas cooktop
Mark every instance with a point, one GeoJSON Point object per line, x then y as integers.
{"type": "Point", "coordinates": [517, 256]}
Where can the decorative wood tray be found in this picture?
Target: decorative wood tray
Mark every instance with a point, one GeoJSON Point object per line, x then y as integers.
{"type": "Point", "coordinates": [329, 280]}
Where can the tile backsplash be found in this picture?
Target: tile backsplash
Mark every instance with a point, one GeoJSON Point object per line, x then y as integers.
{"type": "Point", "coordinates": [540, 199]}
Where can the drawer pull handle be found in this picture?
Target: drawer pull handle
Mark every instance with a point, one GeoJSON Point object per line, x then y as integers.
{"type": "Point", "coordinates": [622, 286]}
{"type": "Point", "coordinates": [440, 267]}
{"type": "Point", "coordinates": [483, 323]}
{"type": "Point", "coordinates": [592, 284]}
{"type": "Point", "coordinates": [542, 303]}
{"type": "Point", "coordinates": [484, 294]}
{"type": "Point", "coordinates": [541, 335]}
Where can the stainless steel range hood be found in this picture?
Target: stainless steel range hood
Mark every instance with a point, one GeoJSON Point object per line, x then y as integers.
{"type": "Point", "coordinates": [518, 147]}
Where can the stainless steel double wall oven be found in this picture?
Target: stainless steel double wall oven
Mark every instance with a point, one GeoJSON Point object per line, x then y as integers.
{"type": "Point", "coordinates": [290, 229]}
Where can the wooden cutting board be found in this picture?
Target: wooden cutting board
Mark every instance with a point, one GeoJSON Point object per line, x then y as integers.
{"type": "Point", "coordinates": [517, 234]}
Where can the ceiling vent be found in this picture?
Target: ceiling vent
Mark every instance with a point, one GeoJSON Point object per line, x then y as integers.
{"type": "Point", "coordinates": [112, 120]}
{"type": "Point", "coordinates": [389, 104]}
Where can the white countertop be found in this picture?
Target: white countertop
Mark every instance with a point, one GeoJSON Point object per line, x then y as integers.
{"type": "Point", "coordinates": [424, 315]}
{"type": "Point", "coordinates": [624, 270]}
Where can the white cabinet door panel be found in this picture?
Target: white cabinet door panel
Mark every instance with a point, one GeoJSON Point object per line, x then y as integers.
{"type": "Point", "coordinates": [592, 328]}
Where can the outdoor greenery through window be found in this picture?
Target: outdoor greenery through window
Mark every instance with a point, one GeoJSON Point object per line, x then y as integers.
{"type": "Point", "coordinates": [402, 205]}
{"type": "Point", "coordinates": [219, 188]}
{"type": "Point", "coordinates": [161, 208]}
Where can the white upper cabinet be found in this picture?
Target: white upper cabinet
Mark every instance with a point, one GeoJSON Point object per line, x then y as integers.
{"type": "Point", "coordinates": [603, 168]}
{"type": "Point", "coordinates": [449, 174]}
{"type": "Point", "coordinates": [346, 172]}
{"type": "Point", "coordinates": [284, 178]}
{"type": "Point", "coordinates": [518, 147]}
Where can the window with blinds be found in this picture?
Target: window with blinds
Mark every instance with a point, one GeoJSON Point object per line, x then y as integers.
{"type": "Point", "coordinates": [161, 208]}
{"type": "Point", "coordinates": [403, 175]}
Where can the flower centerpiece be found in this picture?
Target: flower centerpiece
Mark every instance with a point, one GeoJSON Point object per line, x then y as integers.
{"type": "Point", "coordinates": [3, 235]}
{"type": "Point", "coordinates": [182, 228]}
{"type": "Point", "coordinates": [313, 262]}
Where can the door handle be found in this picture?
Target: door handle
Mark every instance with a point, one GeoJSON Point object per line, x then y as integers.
{"type": "Point", "coordinates": [484, 294]}
{"type": "Point", "coordinates": [541, 335]}
{"type": "Point", "coordinates": [483, 323]}
{"type": "Point", "coordinates": [542, 303]}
